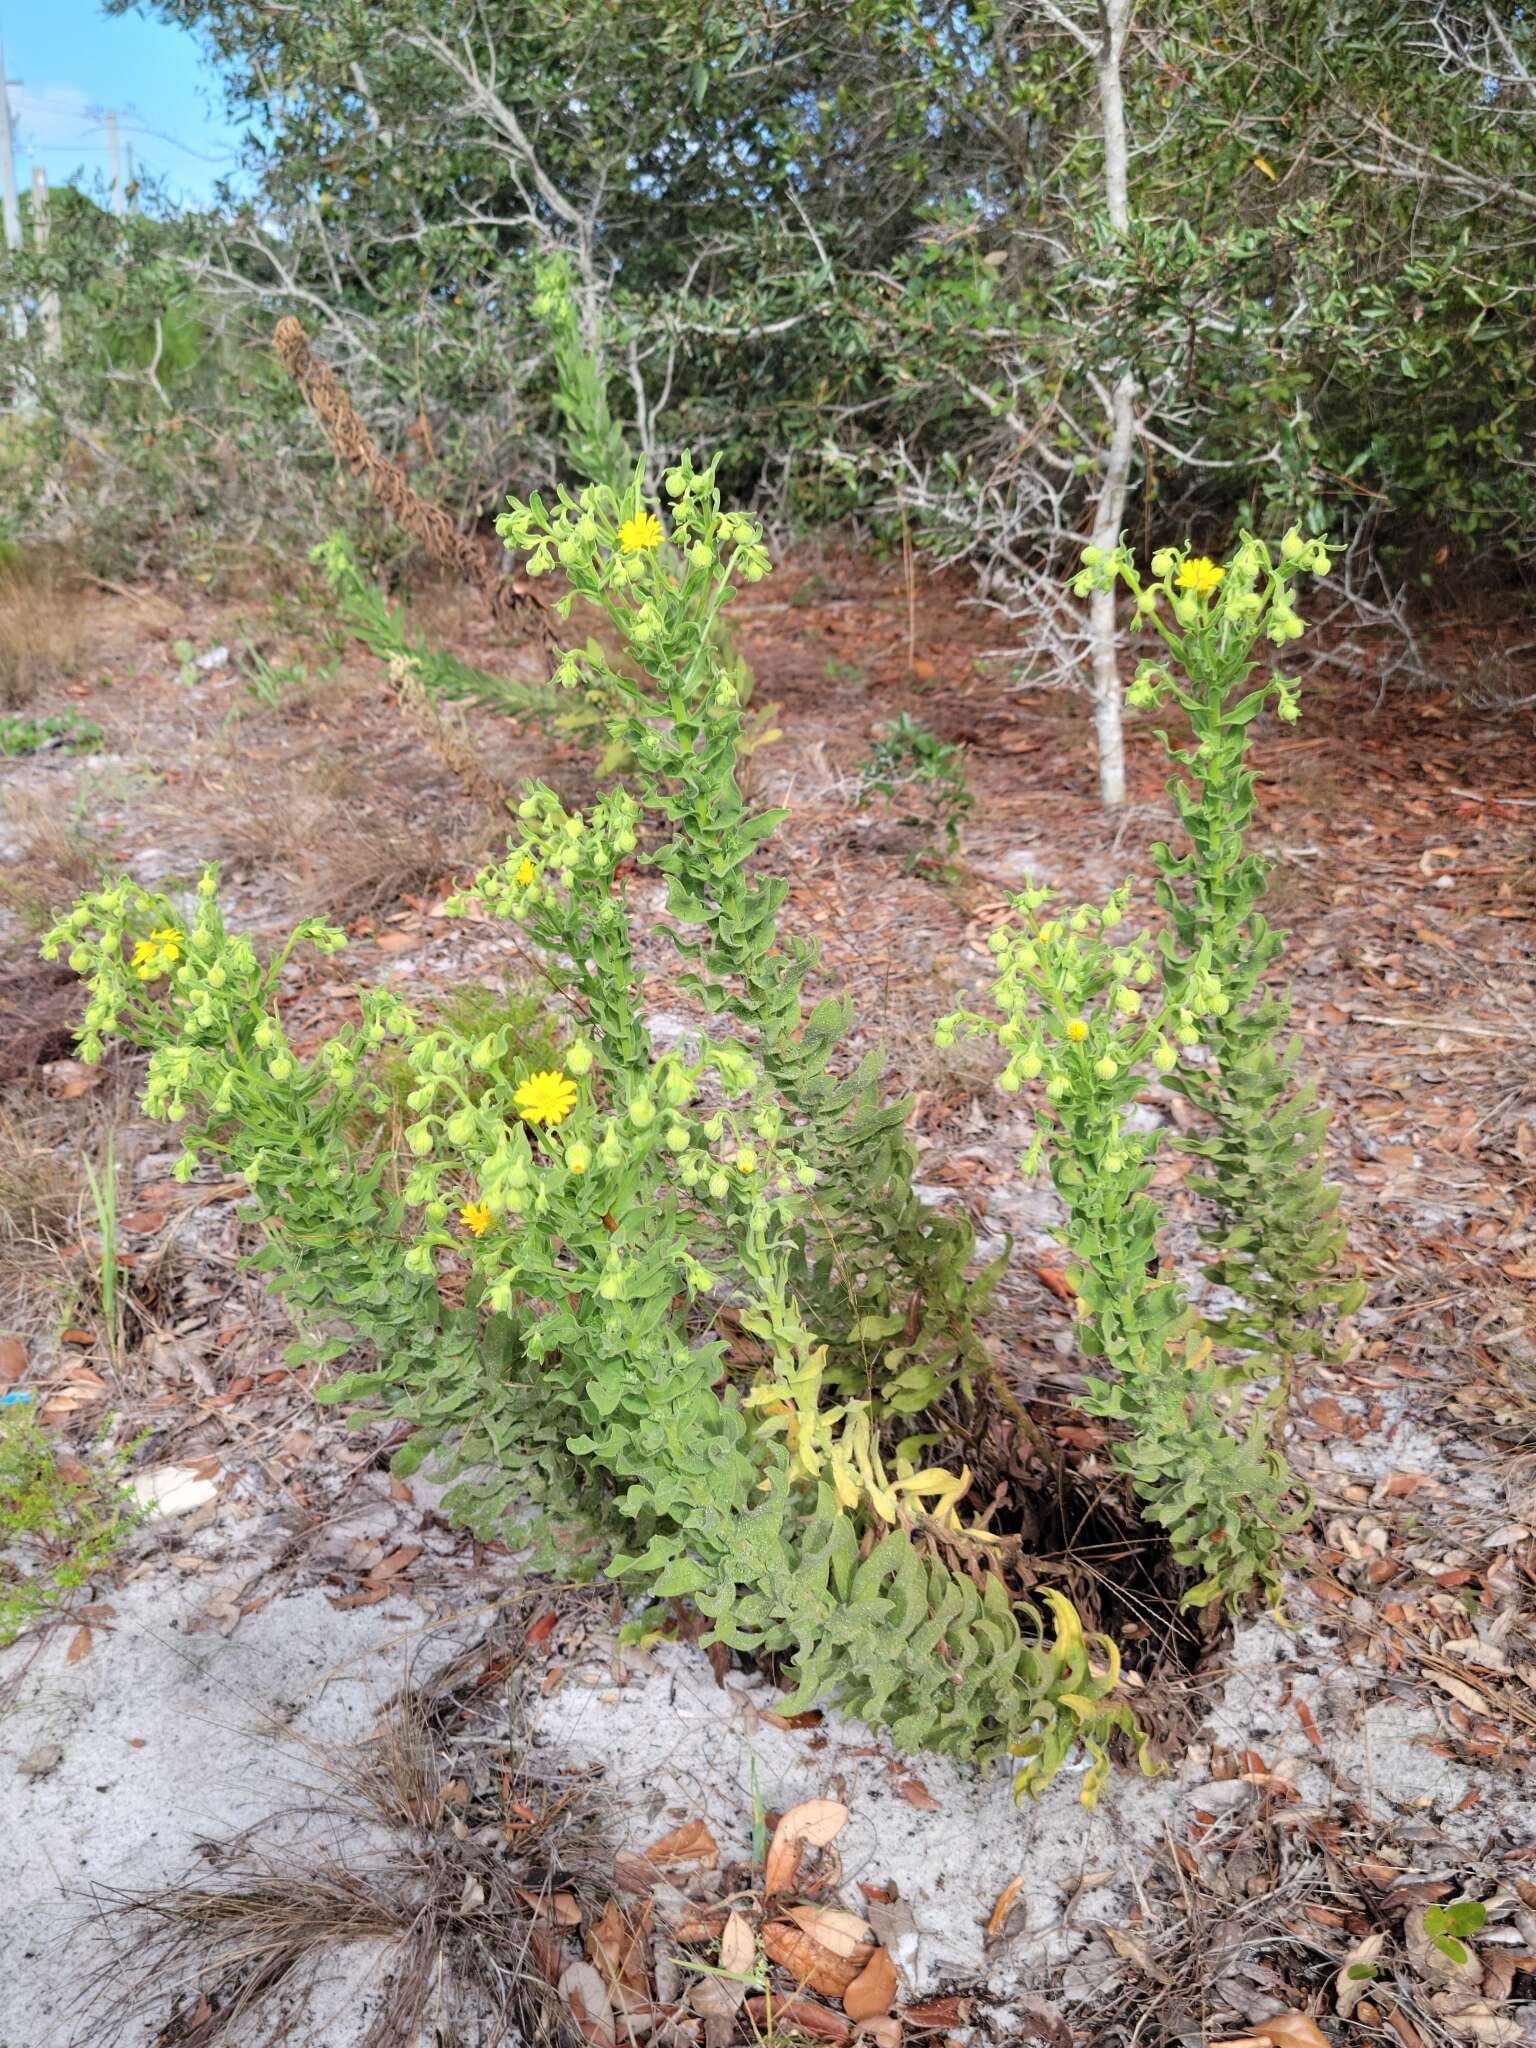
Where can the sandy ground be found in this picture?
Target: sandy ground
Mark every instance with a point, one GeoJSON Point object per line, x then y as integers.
{"type": "Point", "coordinates": [1389, 1729]}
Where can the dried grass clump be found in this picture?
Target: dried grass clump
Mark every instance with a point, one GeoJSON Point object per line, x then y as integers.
{"type": "Point", "coordinates": [39, 1217]}
{"type": "Point", "coordinates": [56, 863]}
{"type": "Point", "coordinates": [343, 858]}
{"type": "Point", "coordinates": [432, 1839]}
{"type": "Point", "coordinates": [42, 631]}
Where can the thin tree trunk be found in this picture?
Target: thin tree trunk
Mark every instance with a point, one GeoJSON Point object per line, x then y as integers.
{"type": "Point", "coordinates": [1114, 22]}
{"type": "Point", "coordinates": [1101, 606]}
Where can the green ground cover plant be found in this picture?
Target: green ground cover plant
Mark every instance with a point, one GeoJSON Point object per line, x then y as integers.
{"type": "Point", "coordinates": [61, 1518]}
{"type": "Point", "coordinates": [1088, 1015]}
{"type": "Point", "coordinates": [670, 1311]}
{"type": "Point", "coordinates": [922, 778]}
{"type": "Point", "coordinates": [65, 729]}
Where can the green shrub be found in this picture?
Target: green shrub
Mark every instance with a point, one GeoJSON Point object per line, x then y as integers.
{"type": "Point", "coordinates": [676, 1315]}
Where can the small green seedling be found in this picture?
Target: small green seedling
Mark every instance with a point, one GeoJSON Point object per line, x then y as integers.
{"type": "Point", "coordinates": [271, 682]}
{"type": "Point", "coordinates": [1445, 1925]}
{"type": "Point", "coordinates": [60, 1519]}
{"type": "Point", "coordinates": [914, 770]}
{"type": "Point", "coordinates": [186, 655]}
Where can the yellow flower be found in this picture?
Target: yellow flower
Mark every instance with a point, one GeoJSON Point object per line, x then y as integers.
{"type": "Point", "coordinates": [525, 872]}
{"type": "Point", "coordinates": [476, 1216]}
{"type": "Point", "coordinates": [640, 535]}
{"type": "Point", "coordinates": [157, 954]}
{"type": "Point", "coordinates": [1077, 1031]}
{"type": "Point", "coordinates": [1200, 574]}
{"type": "Point", "coordinates": [546, 1098]}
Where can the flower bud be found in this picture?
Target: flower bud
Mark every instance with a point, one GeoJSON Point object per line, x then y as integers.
{"type": "Point", "coordinates": [578, 1157]}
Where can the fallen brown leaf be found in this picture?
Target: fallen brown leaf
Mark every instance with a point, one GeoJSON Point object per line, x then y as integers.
{"type": "Point", "coordinates": [844, 1933]}
{"type": "Point", "coordinates": [801, 2014]}
{"type": "Point", "coordinates": [738, 1946]}
{"type": "Point", "coordinates": [1284, 2030]}
{"type": "Point", "coordinates": [916, 1793]}
{"type": "Point", "coordinates": [807, 1960]}
{"type": "Point", "coordinates": [616, 1947]}
{"type": "Point", "coordinates": [938, 2014]}
{"type": "Point", "coordinates": [691, 1846]}
{"type": "Point", "coordinates": [814, 1821]}
{"type": "Point", "coordinates": [586, 1998]}
{"type": "Point", "coordinates": [397, 1560]}
{"type": "Point", "coordinates": [558, 1908]}
{"type": "Point", "coordinates": [1348, 1990]}
{"type": "Point", "coordinates": [79, 1645]}
{"type": "Point", "coordinates": [13, 1359]}
{"type": "Point", "coordinates": [873, 1991]}
{"type": "Point", "coordinates": [1007, 1899]}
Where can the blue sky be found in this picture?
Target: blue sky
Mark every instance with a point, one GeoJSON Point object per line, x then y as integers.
{"type": "Point", "coordinates": [75, 62]}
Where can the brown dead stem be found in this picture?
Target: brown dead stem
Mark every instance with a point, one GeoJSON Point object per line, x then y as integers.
{"type": "Point", "coordinates": [511, 608]}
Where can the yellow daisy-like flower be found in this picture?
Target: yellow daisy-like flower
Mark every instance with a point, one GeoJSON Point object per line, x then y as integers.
{"type": "Point", "coordinates": [1077, 1031]}
{"type": "Point", "coordinates": [526, 872]}
{"type": "Point", "coordinates": [159, 953]}
{"type": "Point", "coordinates": [546, 1098]}
{"type": "Point", "coordinates": [1200, 574]}
{"type": "Point", "coordinates": [640, 535]}
{"type": "Point", "coordinates": [476, 1216]}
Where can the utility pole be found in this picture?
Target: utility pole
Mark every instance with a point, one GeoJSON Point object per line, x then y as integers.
{"type": "Point", "coordinates": [114, 158]}
{"type": "Point", "coordinates": [9, 209]}
{"type": "Point", "coordinates": [48, 300]}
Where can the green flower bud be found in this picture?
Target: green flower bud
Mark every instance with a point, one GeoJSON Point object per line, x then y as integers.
{"type": "Point", "coordinates": [642, 1112]}
{"type": "Point", "coordinates": [746, 1159]}
{"type": "Point", "coordinates": [719, 1186]}
{"type": "Point", "coordinates": [280, 1068]}
{"type": "Point", "coordinates": [578, 1058]}
{"type": "Point", "coordinates": [1106, 1068]}
{"type": "Point", "coordinates": [1165, 1058]}
{"type": "Point", "coordinates": [678, 1139]}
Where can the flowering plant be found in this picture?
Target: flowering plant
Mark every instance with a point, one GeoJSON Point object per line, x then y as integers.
{"type": "Point", "coordinates": [1089, 1018]}
{"type": "Point", "coordinates": [671, 1311]}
